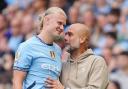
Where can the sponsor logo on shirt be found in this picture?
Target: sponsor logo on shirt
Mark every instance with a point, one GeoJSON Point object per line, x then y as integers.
{"type": "Point", "coordinates": [50, 67]}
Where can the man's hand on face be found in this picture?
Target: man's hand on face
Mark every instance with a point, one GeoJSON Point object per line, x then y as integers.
{"type": "Point", "coordinates": [53, 84]}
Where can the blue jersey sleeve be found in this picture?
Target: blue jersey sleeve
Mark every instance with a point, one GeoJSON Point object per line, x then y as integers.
{"type": "Point", "coordinates": [23, 58]}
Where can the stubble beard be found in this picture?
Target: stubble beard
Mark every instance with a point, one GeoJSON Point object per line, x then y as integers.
{"type": "Point", "coordinates": [58, 38]}
{"type": "Point", "coordinates": [69, 49]}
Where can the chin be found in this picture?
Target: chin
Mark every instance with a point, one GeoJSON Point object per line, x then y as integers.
{"type": "Point", "coordinates": [69, 49]}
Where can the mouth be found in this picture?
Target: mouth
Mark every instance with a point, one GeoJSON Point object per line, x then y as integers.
{"type": "Point", "coordinates": [59, 31]}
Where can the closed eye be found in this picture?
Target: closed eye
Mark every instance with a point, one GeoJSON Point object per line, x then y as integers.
{"type": "Point", "coordinates": [61, 23]}
{"type": "Point", "coordinates": [69, 33]}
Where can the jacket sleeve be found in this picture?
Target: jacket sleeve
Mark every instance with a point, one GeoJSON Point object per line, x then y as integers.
{"type": "Point", "coordinates": [98, 77]}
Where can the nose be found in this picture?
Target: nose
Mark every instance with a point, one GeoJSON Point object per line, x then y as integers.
{"type": "Point", "coordinates": [66, 39]}
{"type": "Point", "coordinates": [62, 27]}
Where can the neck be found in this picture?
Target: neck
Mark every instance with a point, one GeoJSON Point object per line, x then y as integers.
{"type": "Point", "coordinates": [45, 37]}
{"type": "Point", "coordinates": [76, 53]}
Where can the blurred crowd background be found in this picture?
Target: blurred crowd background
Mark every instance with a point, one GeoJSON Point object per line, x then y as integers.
{"type": "Point", "coordinates": [107, 20]}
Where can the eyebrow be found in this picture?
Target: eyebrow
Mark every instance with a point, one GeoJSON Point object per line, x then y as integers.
{"type": "Point", "coordinates": [68, 33]}
{"type": "Point", "coordinates": [64, 23]}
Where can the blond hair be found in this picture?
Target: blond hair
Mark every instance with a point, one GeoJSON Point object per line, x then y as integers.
{"type": "Point", "coordinates": [52, 10]}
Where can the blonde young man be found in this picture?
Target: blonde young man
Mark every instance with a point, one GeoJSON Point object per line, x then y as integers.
{"type": "Point", "coordinates": [84, 70]}
{"type": "Point", "coordinates": [39, 57]}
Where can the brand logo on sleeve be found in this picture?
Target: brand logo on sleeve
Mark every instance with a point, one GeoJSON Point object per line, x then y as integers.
{"type": "Point", "coordinates": [17, 56]}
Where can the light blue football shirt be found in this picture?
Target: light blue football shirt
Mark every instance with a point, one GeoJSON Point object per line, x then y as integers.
{"type": "Point", "coordinates": [39, 60]}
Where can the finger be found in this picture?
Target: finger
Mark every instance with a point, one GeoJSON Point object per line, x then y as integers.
{"type": "Point", "coordinates": [49, 82]}
{"type": "Point", "coordinates": [50, 79]}
{"type": "Point", "coordinates": [50, 86]}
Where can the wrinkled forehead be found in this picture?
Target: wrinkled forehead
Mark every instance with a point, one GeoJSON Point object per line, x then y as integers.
{"type": "Point", "coordinates": [78, 29]}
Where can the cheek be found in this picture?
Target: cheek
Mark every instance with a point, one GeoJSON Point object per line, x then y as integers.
{"type": "Point", "coordinates": [52, 23]}
{"type": "Point", "coordinates": [75, 43]}
{"type": "Point", "coordinates": [55, 26]}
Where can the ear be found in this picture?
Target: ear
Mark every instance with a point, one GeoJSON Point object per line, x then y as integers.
{"type": "Point", "coordinates": [46, 19]}
{"type": "Point", "coordinates": [82, 39]}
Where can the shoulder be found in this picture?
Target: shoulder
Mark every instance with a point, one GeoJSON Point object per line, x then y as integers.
{"type": "Point", "coordinates": [57, 47]}
{"type": "Point", "coordinates": [23, 46]}
{"type": "Point", "coordinates": [99, 61]}
{"type": "Point", "coordinates": [26, 45]}
{"type": "Point", "coordinates": [99, 58]}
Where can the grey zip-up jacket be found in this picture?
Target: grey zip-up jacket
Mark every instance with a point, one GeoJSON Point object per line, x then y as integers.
{"type": "Point", "coordinates": [89, 72]}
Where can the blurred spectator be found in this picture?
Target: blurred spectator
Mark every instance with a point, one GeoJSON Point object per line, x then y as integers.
{"type": "Point", "coordinates": [122, 74]}
{"type": "Point", "coordinates": [117, 3]}
{"type": "Point", "coordinates": [98, 34]}
{"type": "Point", "coordinates": [112, 66]}
{"type": "Point", "coordinates": [3, 40]}
{"type": "Point", "coordinates": [1, 65]}
{"type": "Point", "coordinates": [20, 3]}
{"type": "Point", "coordinates": [3, 25]}
{"type": "Point", "coordinates": [122, 28]}
{"type": "Point", "coordinates": [102, 7]}
{"type": "Point", "coordinates": [114, 85]}
{"type": "Point", "coordinates": [111, 39]}
{"type": "Point", "coordinates": [6, 75]}
{"type": "Point", "coordinates": [124, 7]}
{"type": "Point", "coordinates": [60, 3]}
{"type": "Point", "coordinates": [91, 2]}
{"type": "Point", "coordinates": [107, 54]}
{"type": "Point", "coordinates": [3, 5]}
{"type": "Point", "coordinates": [3, 46]}
{"type": "Point", "coordinates": [73, 14]}
{"type": "Point", "coordinates": [101, 20]}
{"type": "Point", "coordinates": [10, 12]}
{"type": "Point", "coordinates": [27, 26]}
{"type": "Point", "coordinates": [106, 40]}
{"type": "Point", "coordinates": [8, 61]}
{"type": "Point", "coordinates": [88, 18]}
{"type": "Point", "coordinates": [113, 19]}
{"type": "Point", "coordinates": [39, 5]}
{"type": "Point", "coordinates": [16, 37]}
{"type": "Point", "coordinates": [118, 48]}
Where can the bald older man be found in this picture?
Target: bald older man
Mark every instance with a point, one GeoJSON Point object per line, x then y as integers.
{"type": "Point", "coordinates": [83, 70]}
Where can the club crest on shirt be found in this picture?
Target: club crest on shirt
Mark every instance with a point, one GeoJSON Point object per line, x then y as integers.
{"type": "Point", "coordinates": [17, 56]}
{"type": "Point", "coordinates": [52, 53]}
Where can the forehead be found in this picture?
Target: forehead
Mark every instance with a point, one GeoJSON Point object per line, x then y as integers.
{"type": "Point", "coordinates": [72, 30]}
{"type": "Point", "coordinates": [59, 17]}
